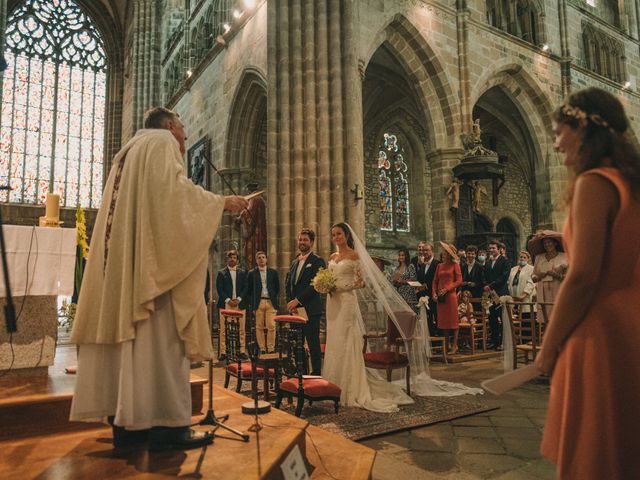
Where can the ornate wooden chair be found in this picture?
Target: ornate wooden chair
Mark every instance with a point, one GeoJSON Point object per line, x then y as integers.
{"type": "Point", "coordinates": [235, 366]}
{"type": "Point", "coordinates": [390, 358]}
{"type": "Point", "coordinates": [290, 345]}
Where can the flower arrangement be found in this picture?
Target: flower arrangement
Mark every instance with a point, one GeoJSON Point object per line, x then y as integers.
{"type": "Point", "coordinates": [81, 227]}
{"type": "Point", "coordinates": [324, 282]}
{"type": "Point", "coordinates": [68, 312]}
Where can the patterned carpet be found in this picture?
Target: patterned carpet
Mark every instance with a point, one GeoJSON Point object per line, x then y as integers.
{"type": "Point", "coordinates": [358, 424]}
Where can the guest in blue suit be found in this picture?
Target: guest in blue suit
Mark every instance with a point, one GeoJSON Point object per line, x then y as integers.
{"type": "Point", "coordinates": [261, 297]}
{"type": "Point", "coordinates": [231, 282]}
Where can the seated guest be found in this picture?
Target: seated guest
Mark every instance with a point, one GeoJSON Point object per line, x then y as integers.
{"type": "Point", "coordinates": [404, 273]}
{"type": "Point", "coordinates": [261, 297]}
{"type": "Point", "coordinates": [465, 309]}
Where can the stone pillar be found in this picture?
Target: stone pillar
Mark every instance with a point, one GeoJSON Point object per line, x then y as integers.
{"type": "Point", "coordinates": [462, 17]}
{"type": "Point", "coordinates": [314, 124]}
{"type": "Point", "coordinates": [441, 164]}
{"type": "Point", "coordinates": [145, 73]}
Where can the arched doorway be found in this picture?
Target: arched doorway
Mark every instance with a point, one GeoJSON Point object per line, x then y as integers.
{"type": "Point", "coordinates": [508, 233]}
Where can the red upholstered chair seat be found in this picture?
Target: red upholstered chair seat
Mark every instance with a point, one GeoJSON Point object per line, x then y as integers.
{"type": "Point", "coordinates": [245, 370]}
{"type": "Point", "coordinates": [313, 387]}
{"type": "Point", "coordinates": [386, 358]}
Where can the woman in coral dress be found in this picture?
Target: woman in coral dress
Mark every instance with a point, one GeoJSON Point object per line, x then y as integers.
{"type": "Point", "coordinates": [447, 278]}
{"type": "Point", "coordinates": [592, 342]}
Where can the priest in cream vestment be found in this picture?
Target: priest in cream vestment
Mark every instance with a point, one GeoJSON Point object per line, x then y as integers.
{"type": "Point", "coordinates": [141, 316]}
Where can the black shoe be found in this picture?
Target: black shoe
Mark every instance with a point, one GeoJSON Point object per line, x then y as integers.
{"type": "Point", "coordinates": [177, 438]}
{"type": "Point", "coordinates": [244, 356]}
{"type": "Point", "coordinates": [127, 438]}
{"type": "Point", "coordinates": [222, 357]}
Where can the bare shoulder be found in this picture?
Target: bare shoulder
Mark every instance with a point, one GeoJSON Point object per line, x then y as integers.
{"type": "Point", "coordinates": [353, 255]}
{"type": "Point", "coordinates": [333, 256]}
{"type": "Point", "coordinates": [595, 192]}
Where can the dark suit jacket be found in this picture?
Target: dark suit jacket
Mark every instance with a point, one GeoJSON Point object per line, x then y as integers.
{"type": "Point", "coordinates": [476, 275]}
{"type": "Point", "coordinates": [425, 276]}
{"type": "Point", "coordinates": [252, 294]}
{"type": "Point", "coordinates": [302, 289]}
{"type": "Point", "coordinates": [224, 285]}
{"type": "Point", "coordinates": [497, 277]}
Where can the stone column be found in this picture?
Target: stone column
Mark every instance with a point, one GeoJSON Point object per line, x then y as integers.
{"type": "Point", "coordinates": [441, 163]}
{"type": "Point", "coordinates": [145, 73]}
{"type": "Point", "coordinates": [314, 124]}
{"type": "Point", "coordinates": [462, 16]}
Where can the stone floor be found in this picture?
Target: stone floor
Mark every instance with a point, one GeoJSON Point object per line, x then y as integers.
{"type": "Point", "coordinates": [500, 444]}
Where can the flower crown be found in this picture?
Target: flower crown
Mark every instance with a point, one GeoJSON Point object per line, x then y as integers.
{"type": "Point", "coordinates": [583, 117]}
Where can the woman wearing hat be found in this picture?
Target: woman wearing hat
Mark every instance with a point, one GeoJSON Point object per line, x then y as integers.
{"type": "Point", "coordinates": [448, 277]}
{"type": "Point", "coordinates": [591, 342]}
{"type": "Point", "coordinates": [550, 266]}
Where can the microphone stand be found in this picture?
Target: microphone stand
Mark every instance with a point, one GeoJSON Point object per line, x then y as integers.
{"type": "Point", "coordinates": [257, 406]}
{"type": "Point", "coordinates": [9, 308]}
{"type": "Point", "coordinates": [210, 417]}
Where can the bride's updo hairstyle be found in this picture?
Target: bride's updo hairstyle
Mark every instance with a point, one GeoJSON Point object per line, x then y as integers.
{"type": "Point", "coordinates": [606, 136]}
{"type": "Point", "coordinates": [347, 233]}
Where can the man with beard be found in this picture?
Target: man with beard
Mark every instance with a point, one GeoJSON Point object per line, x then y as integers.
{"type": "Point", "coordinates": [302, 298]}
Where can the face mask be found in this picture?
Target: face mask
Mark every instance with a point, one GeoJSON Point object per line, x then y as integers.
{"type": "Point", "coordinates": [522, 263]}
{"type": "Point", "coordinates": [481, 258]}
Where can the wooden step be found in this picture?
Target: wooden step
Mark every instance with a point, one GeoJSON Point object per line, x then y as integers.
{"type": "Point", "coordinates": [40, 405]}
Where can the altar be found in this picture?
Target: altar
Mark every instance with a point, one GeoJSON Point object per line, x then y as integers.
{"type": "Point", "coordinates": [41, 263]}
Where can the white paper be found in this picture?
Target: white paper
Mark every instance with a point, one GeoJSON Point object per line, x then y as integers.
{"type": "Point", "coordinates": [413, 283]}
{"type": "Point", "coordinates": [508, 381]}
{"type": "Point", "coordinates": [293, 467]}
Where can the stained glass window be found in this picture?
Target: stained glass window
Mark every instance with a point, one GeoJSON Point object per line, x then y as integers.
{"type": "Point", "coordinates": [394, 187]}
{"type": "Point", "coordinates": [53, 105]}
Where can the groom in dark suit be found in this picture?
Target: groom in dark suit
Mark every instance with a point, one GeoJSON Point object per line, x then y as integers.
{"type": "Point", "coordinates": [301, 294]}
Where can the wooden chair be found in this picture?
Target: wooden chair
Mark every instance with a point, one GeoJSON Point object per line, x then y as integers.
{"type": "Point", "coordinates": [390, 358]}
{"type": "Point", "coordinates": [475, 333]}
{"type": "Point", "coordinates": [235, 366]}
{"type": "Point", "coordinates": [527, 331]}
{"type": "Point", "coordinates": [439, 348]}
{"type": "Point", "coordinates": [293, 359]}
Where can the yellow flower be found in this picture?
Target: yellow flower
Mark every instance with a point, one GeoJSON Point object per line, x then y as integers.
{"type": "Point", "coordinates": [81, 227]}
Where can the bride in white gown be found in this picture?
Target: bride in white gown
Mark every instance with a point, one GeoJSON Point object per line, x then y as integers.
{"type": "Point", "coordinates": [343, 360]}
{"type": "Point", "coordinates": [357, 277]}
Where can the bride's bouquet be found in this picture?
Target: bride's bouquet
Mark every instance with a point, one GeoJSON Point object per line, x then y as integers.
{"type": "Point", "coordinates": [324, 282]}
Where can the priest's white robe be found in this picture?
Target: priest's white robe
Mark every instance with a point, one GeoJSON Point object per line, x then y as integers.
{"type": "Point", "coordinates": [141, 315]}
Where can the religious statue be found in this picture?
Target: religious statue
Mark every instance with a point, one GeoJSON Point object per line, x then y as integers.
{"type": "Point", "coordinates": [454, 193]}
{"type": "Point", "coordinates": [478, 191]}
{"type": "Point", "coordinates": [253, 226]}
{"type": "Point", "coordinates": [475, 128]}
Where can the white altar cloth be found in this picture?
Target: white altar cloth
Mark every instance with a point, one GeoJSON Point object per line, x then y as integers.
{"type": "Point", "coordinates": [50, 253]}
